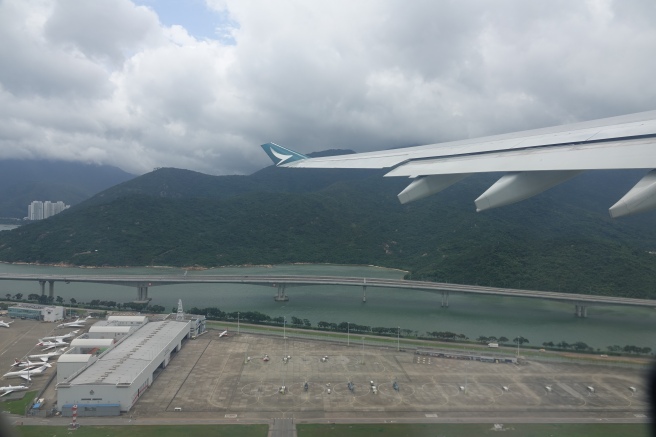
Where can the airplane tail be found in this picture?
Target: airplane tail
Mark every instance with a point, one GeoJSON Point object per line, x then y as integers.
{"type": "Point", "coordinates": [281, 155]}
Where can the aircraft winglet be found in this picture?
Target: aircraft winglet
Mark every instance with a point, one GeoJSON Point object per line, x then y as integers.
{"type": "Point", "coordinates": [281, 155]}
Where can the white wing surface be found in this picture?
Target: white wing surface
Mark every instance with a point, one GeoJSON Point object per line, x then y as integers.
{"type": "Point", "coordinates": [533, 161]}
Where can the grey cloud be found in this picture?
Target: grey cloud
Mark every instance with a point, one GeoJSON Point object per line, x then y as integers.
{"type": "Point", "coordinates": [105, 81]}
{"type": "Point", "coordinates": [103, 31]}
{"type": "Point", "coordinates": [31, 68]}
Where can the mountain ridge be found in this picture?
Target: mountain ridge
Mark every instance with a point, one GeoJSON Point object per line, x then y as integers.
{"type": "Point", "coordinates": [23, 181]}
{"type": "Point", "coordinates": [562, 240]}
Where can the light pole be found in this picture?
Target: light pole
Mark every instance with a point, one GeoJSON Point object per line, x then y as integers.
{"type": "Point", "coordinates": [237, 322]}
{"type": "Point", "coordinates": [284, 326]}
{"type": "Point", "coordinates": [363, 350]}
{"type": "Point", "coordinates": [348, 334]}
{"type": "Point", "coordinates": [518, 346]}
{"type": "Point", "coordinates": [398, 338]}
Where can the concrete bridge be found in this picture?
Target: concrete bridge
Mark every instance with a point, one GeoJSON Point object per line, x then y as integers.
{"type": "Point", "coordinates": [281, 282]}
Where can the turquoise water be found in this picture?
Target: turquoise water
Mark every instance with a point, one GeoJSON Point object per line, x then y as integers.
{"type": "Point", "coordinates": [472, 315]}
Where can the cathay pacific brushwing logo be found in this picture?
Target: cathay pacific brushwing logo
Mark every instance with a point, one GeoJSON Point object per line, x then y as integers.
{"type": "Point", "coordinates": [280, 156]}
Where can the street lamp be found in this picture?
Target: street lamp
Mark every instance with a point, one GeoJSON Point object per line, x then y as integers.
{"type": "Point", "coordinates": [398, 338]}
{"type": "Point", "coordinates": [237, 322]}
{"type": "Point", "coordinates": [284, 326]}
{"type": "Point", "coordinates": [348, 334]}
{"type": "Point", "coordinates": [363, 350]}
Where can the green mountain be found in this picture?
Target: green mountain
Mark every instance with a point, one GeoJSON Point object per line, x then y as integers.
{"type": "Point", "coordinates": [562, 240]}
{"type": "Point", "coordinates": [22, 181]}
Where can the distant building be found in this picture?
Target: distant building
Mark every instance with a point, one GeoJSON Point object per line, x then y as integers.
{"type": "Point", "coordinates": [36, 312]}
{"type": "Point", "coordinates": [38, 210]}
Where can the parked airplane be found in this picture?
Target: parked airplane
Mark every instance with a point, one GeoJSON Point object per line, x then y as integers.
{"type": "Point", "coordinates": [48, 355]}
{"type": "Point", "coordinates": [223, 334]}
{"type": "Point", "coordinates": [27, 374]}
{"type": "Point", "coordinates": [51, 344]}
{"type": "Point", "coordinates": [78, 323]}
{"type": "Point", "coordinates": [28, 363]}
{"type": "Point", "coordinates": [12, 388]}
{"type": "Point", "coordinates": [533, 161]}
{"type": "Point", "coordinates": [60, 337]}
{"type": "Point", "coordinates": [4, 324]}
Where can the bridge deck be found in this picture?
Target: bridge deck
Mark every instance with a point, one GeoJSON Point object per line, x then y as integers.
{"type": "Point", "coordinates": [141, 281]}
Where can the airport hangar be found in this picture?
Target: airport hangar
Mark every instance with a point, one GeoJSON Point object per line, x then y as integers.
{"type": "Point", "coordinates": [47, 313]}
{"type": "Point", "coordinates": [114, 382]}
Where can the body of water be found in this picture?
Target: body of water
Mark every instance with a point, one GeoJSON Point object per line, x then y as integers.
{"type": "Point", "coordinates": [472, 315]}
{"type": "Point", "coordinates": [7, 227]}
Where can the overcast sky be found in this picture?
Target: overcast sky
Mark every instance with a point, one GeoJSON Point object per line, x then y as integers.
{"type": "Point", "coordinates": [201, 84]}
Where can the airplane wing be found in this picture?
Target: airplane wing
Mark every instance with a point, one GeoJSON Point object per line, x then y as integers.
{"type": "Point", "coordinates": [26, 377]}
{"type": "Point", "coordinates": [533, 161]}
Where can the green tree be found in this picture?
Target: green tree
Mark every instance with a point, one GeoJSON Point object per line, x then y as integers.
{"type": "Point", "coordinates": [520, 340]}
{"type": "Point", "coordinates": [18, 296]}
{"type": "Point", "coordinates": [59, 300]}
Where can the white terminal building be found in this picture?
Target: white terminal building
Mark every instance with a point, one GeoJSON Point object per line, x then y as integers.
{"type": "Point", "coordinates": [110, 382]}
{"type": "Point", "coordinates": [46, 313]}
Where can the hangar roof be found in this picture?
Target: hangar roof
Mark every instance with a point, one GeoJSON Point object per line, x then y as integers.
{"type": "Point", "coordinates": [92, 342]}
{"type": "Point", "coordinates": [123, 363]}
{"type": "Point", "coordinates": [74, 358]}
{"type": "Point", "coordinates": [110, 328]}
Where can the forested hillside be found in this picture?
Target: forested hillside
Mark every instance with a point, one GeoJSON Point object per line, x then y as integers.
{"type": "Point", "coordinates": [562, 240]}
{"type": "Point", "coordinates": [22, 181]}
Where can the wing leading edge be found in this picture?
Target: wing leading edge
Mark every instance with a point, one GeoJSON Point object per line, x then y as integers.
{"type": "Point", "coordinates": [534, 161]}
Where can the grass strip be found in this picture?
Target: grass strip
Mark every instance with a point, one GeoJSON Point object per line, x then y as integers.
{"type": "Point", "coordinates": [474, 430]}
{"type": "Point", "coordinates": [147, 431]}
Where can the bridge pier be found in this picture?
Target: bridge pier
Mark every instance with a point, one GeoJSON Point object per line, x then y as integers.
{"type": "Point", "coordinates": [142, 293]}
{"type": "Point", "coordinates": [581, 311]}
{"type": "Point", "coordinates": [445, 299]}
{"type": "Point", "coordinates": [51, 288]}
{"type": "Point", "coordinates": [281, 296]}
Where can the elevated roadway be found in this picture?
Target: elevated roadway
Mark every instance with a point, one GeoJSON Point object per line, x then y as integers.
{"type": "Point", "coordinates": [143, 282]}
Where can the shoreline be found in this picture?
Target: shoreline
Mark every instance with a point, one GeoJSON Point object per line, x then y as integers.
{"type": "Point", "coordinates": [198, 268]}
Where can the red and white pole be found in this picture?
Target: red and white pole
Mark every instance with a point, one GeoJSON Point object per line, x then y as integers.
{"type": "Point", "coordinates": [74, 409]}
